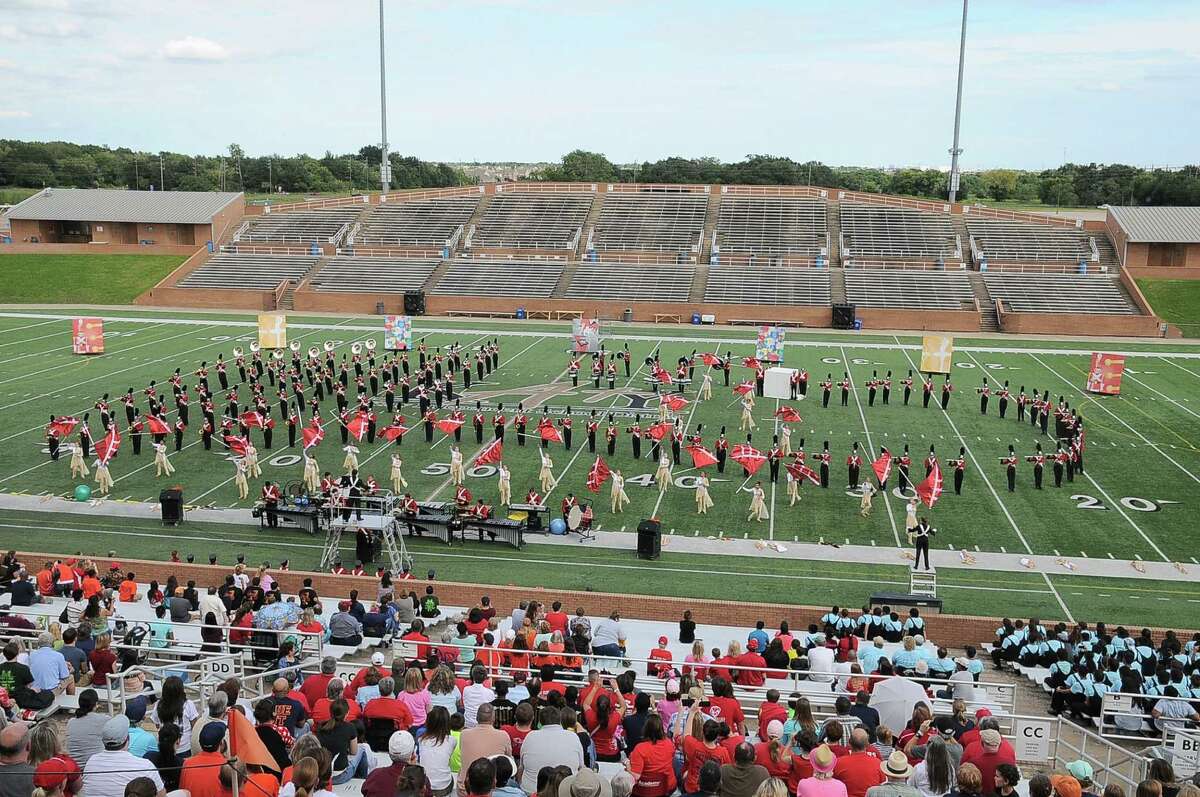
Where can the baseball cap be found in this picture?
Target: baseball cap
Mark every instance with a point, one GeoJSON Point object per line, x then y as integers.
{"type": "Point", "coordinates": [1081, 770]}
{"type": "Point", "coordinates": [752, 644]}
{"type": "Point", "coordinates": [673, 686]}
{"type": "Point", "coordinates": [211, 736]}
{"type": "Point", "coordinates": [962, 661]}
{"type": "Point", "coordinates": [401, 745]}
{"type": "Point", "coordinates": [586, 783]}
{"type": "Point", "coordinates": [662, 640]}
{"type": "Point", "coordinates": [344, 605]}
{"type": "Point", "coordinates": [774, 729]}
{"type": "Point", "coordinates": [1066, 786]}
{"type": "Point", "coordinates": [115, 731]}
{"type": "Point", "coordinates": [945, 727]}
{"type": "Point", "coordinates": [983, 712]}
{"type": "Point", "coordinates": [990, 738]}
{"type": "Point", "coordinates": [377, 659]}
{"type": "Point", "coordinates": [51, 774]}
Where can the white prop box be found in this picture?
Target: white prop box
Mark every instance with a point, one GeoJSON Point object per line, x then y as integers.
{"type": "Point", "coordinates": [777, 383]}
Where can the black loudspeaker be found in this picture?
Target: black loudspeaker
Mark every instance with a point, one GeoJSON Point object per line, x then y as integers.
{"type": "Point", "coordinates": [414, 302]}
{"type": "Point", "coordinates": [172, 507]}
{"type": "Point", "coordinates": [649, 539]}
{"type": "Point", "coordinates": [843, 316]}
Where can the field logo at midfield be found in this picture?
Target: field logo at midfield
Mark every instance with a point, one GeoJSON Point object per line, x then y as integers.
{"type": "Point", "coordinates": [937, 352]}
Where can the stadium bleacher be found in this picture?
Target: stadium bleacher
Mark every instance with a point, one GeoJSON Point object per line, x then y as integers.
{"type": "Point", "coordinates": [880, 231]}
{"type": "Point", "coordinates": [650, 222]}
{"type": "Point", "coordinates": [373, 274]}
{"type": "Point", "coordinates": [301, 227]}
{"type": "Point", "coordinates": [1059, 293]}
{"type": "Point", "coordinates": [771, 227]}
{"type": "Point", "coordinates": [645, 282]}
{"type": "Point", "coordinates": [515, 220]}
{"type": "Point", "coordinates": [499, 278]}
{"type": "Point", "coordinates": [434, 222]}
{"type": "Point", "coordinates": [1024, 242]}
{"type": "Point", "coordinates": [248, 271]}
{"type": "Point", "coordinates": [764, 285]}
{"type": "Point", "coordinates": [931, 290]}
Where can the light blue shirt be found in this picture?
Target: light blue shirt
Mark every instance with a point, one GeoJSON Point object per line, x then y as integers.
{"type": "Point", "coordinates": [869, 657]}
{"type": "Point", "coordinates": [49, 668]}
{"type": "Point", "coordinates": [141, 742]}
{"type": "Point", "coordinates": [761, 637]}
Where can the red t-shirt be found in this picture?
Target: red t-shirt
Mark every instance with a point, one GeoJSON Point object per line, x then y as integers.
{"type": "Point", "coordinates": [558, 621]}
{"type": "Point", "coordinates": [314, 687]}
{"type": "Point", "coordinates": [751, 677]}
{"type": "Point", "coordinates": [695, 753]}
{"type": "Point", "coordinates": [659, 655]}
{"type": "Point", "coordinates": [859, 771]}
{"type": "Point", "coordinates": [102, 662]}
{"type": "Point", "coordinates": [801, 769]}
{"type": "Point", "coordinates": [762, 757]}
{"type": "Point", "coordinates": [768, 712]}
{"type": "Point", "coordinates": [200, 774]}
{"type": "Point", "coordinates": [717, 670]}
{"type": "Point", "coordinates": [518, 738]}
{"type": "Point", "coordinates": [602, 737]}
{"type": "Point", "coordinates": [91, 586]}
{"type": "Point", "coordinates": [320, 710]}
{"type": "Point", "coordinates": [653, 762]}
{"type": "Point", "coordinates": [726, 709]}
{"type": "Point", "coordinates": [388, 708]}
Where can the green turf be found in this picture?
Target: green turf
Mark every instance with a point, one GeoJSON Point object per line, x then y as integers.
{"type": "Point", "coordinates": [1147, 492]}
{"type": "Point", "coordinates": [92, 279]}
{"type": "Point", "coordinates": [1176, 301]}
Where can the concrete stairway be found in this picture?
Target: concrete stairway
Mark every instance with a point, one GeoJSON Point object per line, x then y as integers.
{"type": "Point", "coordinates": [480, 209]}
{"type": "Point", "coordinates": [287, 301]}
{"type": "Point", "coordinates": [436, 276]}
{"type": "Point", "coordinates": [564, 280]}
{"type": "Point", "coordinates": [711, 215]}
{"type": "Point", "coordinates": [833, 222]}
{"type": "Point", "coordinates": [699, 282]}
{"type": "Point", "coordinates": [988, 320]}
{"type": "Point", "coordinates": [585, 231]}
{"type": "Point", "coordinates": [837, 286]}
{"type": "Point", "coordinates": [959, 223]}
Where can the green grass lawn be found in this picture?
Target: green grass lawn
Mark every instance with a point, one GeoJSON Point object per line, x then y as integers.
{"type": "Point", "coordinates": [89, 279]}
{"type": "Point", "coordinates": [1135, 500]}
{"type": "Point", "coordinates": [11, 196]}
{"type": "Point", "coordinates": [1176, 301]}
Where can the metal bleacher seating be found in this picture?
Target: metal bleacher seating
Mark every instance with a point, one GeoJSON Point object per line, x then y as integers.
{"type": "Point", "coordinates": [301, 227]}
{"type": "Point", "coordinates": [248, 271]}
{"type": "Point", "coordinates": [474, 277]}
{"type": "Point", "coordinates": [373, 274]}
{"type": "Point", "coordinates": [732, 284]}
{"type": "Point", "coordinates": [924, 290]}
{"type": "Point", "coordinates": [650, 222]}
{"type": "Point", "coordinates": [434, 222]}
{"type": "Point", "coordinates": [880, 231]}
{"type": "Point", "coordinates": [644, 282]}
{"type": "Point", "coordinates": [1024, 242]}
{"type": "Point", "coordinates": [1059, 293]}
{"type": "Point", "coordinates": [771, 226]}
{"type": "Point", "coordinates": [532, 221]}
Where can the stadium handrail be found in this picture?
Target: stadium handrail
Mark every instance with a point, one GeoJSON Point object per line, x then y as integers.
{"type": "Point", "coordinates": [662, 188]}
{"type": "Point", "coordinates": [787, 191]}
{"type": "Point", "coordinates": [1019, 215]}
{"type": "Point", "coordinates": [894, 201]}
{"type": "Point", "coordinates": [545, 188]}
{"type": "Point", "coordinates": [1122, 704]}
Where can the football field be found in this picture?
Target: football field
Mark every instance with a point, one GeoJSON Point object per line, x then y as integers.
{"type": "Point", "coordinates": [1134, 501]}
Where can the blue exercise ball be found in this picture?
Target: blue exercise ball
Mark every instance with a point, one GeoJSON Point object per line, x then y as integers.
{"type": "Point", "coordinates": [82, 492]}
{"type": "Point", "coordinates": [558, 526]}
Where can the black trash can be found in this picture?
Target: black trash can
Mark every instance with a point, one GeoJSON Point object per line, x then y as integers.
{"type": "Point", "coordinates": [649, 539]}
{"type": "Point", "coordinates": [171, 502]}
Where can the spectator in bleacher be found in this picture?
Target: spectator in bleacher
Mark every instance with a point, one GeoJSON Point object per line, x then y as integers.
{"type": "Point", "coordinates": [287, 711]}
{"type": "Point", "coordinates": [386, 706]}
{"type": "Point", "coordinates": [437, 745]}
{"type": "Point", "coordinates": [211, 602]}
{"type": "Point", "coordinates": [859, 769]}
{"type": "Point", "coordinates": [202, 772]}
{"type": "Point", "coordinates": [822, 783]}
{"type": "Point", "coordinates": [551, 745]}
{"type": "Point", "coordinates": [351, 759]}
{"type": "Point", "coordinates": [166, 757]}
{"type": "Point", "coordinates": [16, 773]}
{"type": "Point", "coordinates": [109, 771]}
{"type": "Point", "coordinates": [127, 592]}
{"type": "Point", "coordinates": [1008, 776]}
{"type": "Point", "coordinates": [753, 677]}
{"type": "Point", "coordinates": [697, 657]}
{"type": "Point", "coordinates": [961, 684]}
{"type": "Point", "coordinates": [742, 777]}
{"type": "Point", "coordinates": [218, 703]}
{"type": "Point", "coordinates": [429, 604]}
{"type": "Point", "coordinates": [141, 741]}
{"type": "Point", "coordinates": [444, 691]}
{"type": "Point", "coordinates": [1160, 769]}
{"type": "Point", "coordinates": [240, 633]}
{"type": "Point", "coordinates": [867, 716]}
{"type": "Point", "coordinates": [608, 638]}
{"type": "Point", "coordinates": [49, 668]}
{"type": "Point", "coordinates": [99, 608]}
{"type": "Point", "coordinates": [23, 590]}
{"type": "Point", "coordinates": [771, 753]}
{"type": "Point", "coordinates": [1172, 712]}
{"type": "Point", "coordinates": [970, 783]}
{"type": "Point", "coordinates": [481, 741]}
{"type": "Point", "coordinates": [76, 658]}
{"type": "Point", "coordinates": [1066, 786]}
{"type": "Point", "coordinates": [942, 730]}
{"type": "Point", "coordinates": [934, 775]}
{"type": "Point", "coordinates": [820, 660]}
{"type": "Point", "coordinates": [700, 743]}
{"type": "Point", "coordinates": [83, 730]}
{"type": "Point", "coordinates": [476, 694]}
{"type": "Point", "coordinates": [416, 698]}
{"type": "Point", "coordinates": [174, 706]}
{"type": "Point", "coordinates": [897, 771]}
{"type": "Point", "coordinates": [18, 680]}
{"type": "Point", "coordinates": [989, 752]}
{"type": "Point", "coordinates": [344, 627]}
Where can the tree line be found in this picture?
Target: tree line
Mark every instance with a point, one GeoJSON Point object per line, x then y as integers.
{"type": "Point", "coordinates": [36, 164]}
{"type": "Point", "coordinates": [1070, 185]}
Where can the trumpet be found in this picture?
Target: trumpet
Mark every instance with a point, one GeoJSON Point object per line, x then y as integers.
{"type": "Point", "coordinates": [277, 354]}
{"type": "Point", "coordinates": [329, 345]}
{"type": "Point", "coordinates": [294, 345]}
{"type": "Point", "coordinates": [254, 345]}
{"type": "Point", "coordinates": [370, 344]}
{"type": "Point", "coordinates": [314, 352]}
{"type": "Point", "coordinates": [237, 351]}
{"type": "Point", "coordinates": [356, 348]}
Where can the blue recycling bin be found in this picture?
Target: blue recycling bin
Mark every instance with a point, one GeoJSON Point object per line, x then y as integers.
{"type": "Point", "coordinates": [858, 324]}
{"type": "Point", "coordinates": [210, 246]}
{"type": "Point", "coordinates": [521, 313]}
{"type": "Point", "coordinates": [696, 319]}
{"type": "Point", "coordinates": [1082, 266]}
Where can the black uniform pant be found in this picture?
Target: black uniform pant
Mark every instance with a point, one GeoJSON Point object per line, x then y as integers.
{"type": "Point", "coordinates": [958, 479]}
{"type": "Point", "coordinates": [903, 479]}
{"type": "Point", "coordinates": [1012, 479]}
{"type": "Point", "coordinates": [871, 397]}
{"type": "Point", "coordinates": [922, 545]}
{"type": "Point", "coordinates": [291, 435]}
{"type": "Point", "coordinates": [887, 394]}
{"type": "Point", "coordinates": [137, 443]}
{"type": "Point", "coordinates": [907, 393]}
{"type": "Point", "coordinates": [637, 448]}
{"type": "Point", "coordinates": [272, 519]}
{"type": "Point", "coordinates": [566, 434]}
{"type": "Point", "coordinates": [925, 400]}
{"type": "Point", "coordinates": [774, 465]}
{"type": "Point", "coordinates": [852, 474]}
{"type": "Point", "coordinates": [824, 475]}
{"type": "Point", "coordinates": [1003, 407]}
{"type": "Point", "coordinates": [720, 462]}
{"type": "Point", "coordinates": [479, 433]}
{"type": "Point", "coordinates": [983, 400]}
{"type": "Point", "coordinates": [1058, 474]}
{"type": "Point", "coordinates": [845, 397]}
{"type": "Point", "coordinates": [521, 434]}
{"type": "Point", "coordinates": [1037, 477]}
{"type": "Point", "coordinates": [612, 445]}
{"type": "Point", "coordinates": [945, 400]}
{"type": "Point", "coordinates": [592, 443]}
{"type": "Point", "coordinates": [825, 398]}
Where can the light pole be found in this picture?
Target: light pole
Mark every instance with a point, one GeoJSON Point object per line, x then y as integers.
{"type": "Point", "coordinates": [384, 166]}
{"type": "Point", "coordinates": [955, 150]}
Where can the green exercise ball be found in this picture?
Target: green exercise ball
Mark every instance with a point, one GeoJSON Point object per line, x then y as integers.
{"type": "Point", "coordinates": [83, 492]}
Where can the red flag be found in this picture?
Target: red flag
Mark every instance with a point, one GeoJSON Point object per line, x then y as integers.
{"type": "Point", "coordinates": [801, 472]}
{"type": "Point", "coordinates": [107, 448]}
{"type": "Point", "coordinates": [236, 444]}
{"type": "Point", "coordinates": [251, 419]}
{"type": "Point", "coordinates": [358, 425]}
{"type": "Point", "coordinates": [63, 425]}
{"type": "Point", "coordinates": [390, 433]}
{"type": "Point", "coordinates": [710, 359]}
{"type": "Point", "coordinates": [750, 362]}
{"type": "Point", "coordinates": [882, 466]}
{"type": "Point", "coordinates": [549, 432]}
{"type": "Point", "coordinates": [748, 457]}
{"type": "Point", "coordinates": [312, 434]}
{"type": "Point", "coordinates": [662, 375]}
{"type": "Point", "coordinates": [701, 456]}
{"type": "Point", "coordinates": [788, 414]}
{"type": "Point", "coordinates": [492, 452]}
{"type": "Point", "coordinates": [675, 402]}
{"type": "Point", "coordinates": [660, 430]}
{"type": "Point", "coordinates": [157, 425]}
{"type": "Point", "coordinates": [245, 743]}
{"type": "Point", "coordinates": [744, 388]}
{"type": "Point", "coordinates": [930, 490]}
{"type": "Point", "coordinates": [597, 475]}
{"type": "Point", "coordinates": [448, 425]}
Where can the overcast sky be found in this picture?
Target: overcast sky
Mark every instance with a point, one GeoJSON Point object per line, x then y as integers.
{"type": "Point", "coordinates": [847, 82]}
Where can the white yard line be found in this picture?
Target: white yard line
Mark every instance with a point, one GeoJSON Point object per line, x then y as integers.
{"type": "Point", "coordinates": [27, 326]}
{"type": "Point", "coordinates": [771, 517]}
{"type": "Point", "coordinates": [996, 495]}
{"type": "Point", "coordinates": [60, 333]}
{"type": "Point", "coordinates": [870, 444]}
{"type": "Point", "coordinates": [75, 362]}
{"type": "Point", "coordinates": [1188, 410]}
{"type": "Point", "coordinates": [1168, 361]}
{"type": "Point", "coordinates": [686, 425]}
{"type": "Point", "coordinates": [1118, 418]}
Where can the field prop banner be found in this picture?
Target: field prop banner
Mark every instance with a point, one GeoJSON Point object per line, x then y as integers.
{"type": "Point", "coordinates": [397, 332]}
{"type": "Point", "coordinates": [87, 335]}
{"type": "Point", "coordinates": [937, 351]}
{"type": "Point", "coordinates": [769, 348]}
{"type": "Point", "coordinates": [272, 330]}
{"type": "Point", "coordinates": [585, 335]}
{"type": "Point", "coordinates": [1105, 374]}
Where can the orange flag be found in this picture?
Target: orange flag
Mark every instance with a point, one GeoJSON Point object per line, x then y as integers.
{"type": "Point", "coordinates": [244, 743]}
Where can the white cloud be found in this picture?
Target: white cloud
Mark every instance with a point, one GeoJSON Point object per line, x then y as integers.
{"type": "Point", "coordinates": [10, 33]}
{"type": "Point", "coordinates": [15, 114]}
{"type": "Point", "coordinates": [194, 48]}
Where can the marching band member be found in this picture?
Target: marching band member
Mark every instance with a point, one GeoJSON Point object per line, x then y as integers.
{"type": "Point", "coordinates": [758, 507]}
{"type": "Point", "coordinates": [825, 458]}
{"type": "Point", "coordinates": [910, 518]}
{"type": "Point", "coordinates": [617, 496]}
{"type": "Point", "coordinates": [721, 450]}
{"type": "Point", "coordinates": [271, 496]}
{"type": "Point", "coordinates": [946, 390]}
{"type": "Point", "coordinates": [926, 391]}
{"type": "Point", "coordinates": [960, 468]}
{"type": "Point", "coordinates": [504, 484]}
{"type": "Point", "coordinates": [397, 476]}
{"type": "Point", "coordinates": [162, 466]}
{"type": "Point", "coordinates": [79, 468]}
{"type": "Point", "coordinates": [747, 414]}
{"type": "Point", "coordinates": [886, 384]}
{"type": "Point", "coordinates": [704, 501]}
{"type": "Point", "coordinates": [907, 384]}
{"type": "Point", "coordinates": [705, 386]}
{"type": "Point", "coordinates": [252, 468]}
{"type": "Point", "coordinates": [104, 480]}
{"type": "Point", "coordinates": [1003, 394]}
{"type": "Point", "coordinates": [984, 391]}
{"type": "Point", "coordinates": [457, 474]}
{"type": "Point", "coordinates": [844, 385]}
{"type": "Point", "coordinates": [610, 435]}
{"type": "Point", "coordinates": [532, 497]}
{"type": "Point", "coordinates": [566, 423]}
{"type": "Point", "coordinates": [1061, 459]}
{"type": "Point", "coordinates": [312, 482]}
{"type": "Point", "coordinates": [477, 423]}
{"type": "Point", "coordinates": [546, 473]}
{"type": "Point", "coordinates": [864, 503]}
{"type": "Point", "coordinates": [785, 440]}
{"type": "Point", "coordinates": [1010, 466]}
{"type": "Point", "coordinates": [520, 421]}
{"type": "Point", "coordinates": [1039, 463]}
{"type": "Point", "coordinates": [52, 439]}
{"type": "Point", "coordinates": [774, 455]}
{"type": "Point", "coordinates": [872, 385]}
{"type": "Point", "coordinates": [826, 389]}
{"type": "Point", "coordinates": [592, 425]}
{"type": "Point", "coordinates": [462, 497]}
{"type": "Point", "coordinates": [853, 464]}
{"type": "Point", "coordinates": [662, 476]}
{"type": "Point", "coordinates": [902, 466]}
{"type": "Point", "coordinates": [663, 410]}
{"type": "Point", "coordinates": [793, 488]}
{"type": "Point", "coordinates": [350, 463]}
